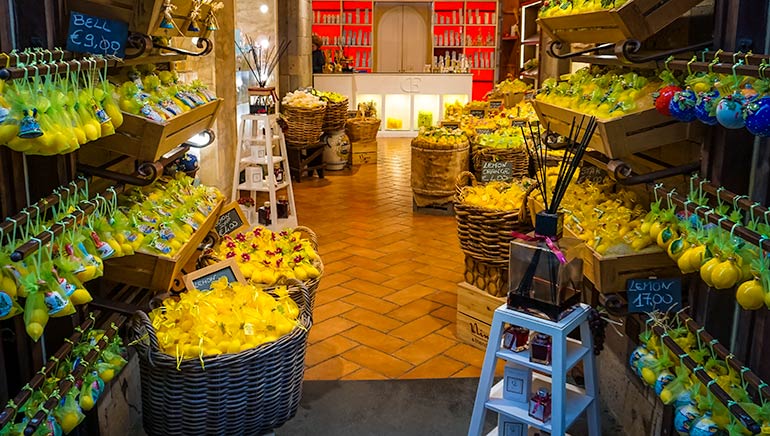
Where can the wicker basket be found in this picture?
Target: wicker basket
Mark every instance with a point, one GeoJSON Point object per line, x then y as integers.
{"type": "Point", "coordinates": [335, 116]}
{"type": "Point", "coordinates": [362, 129]}
{"type": "Point", "coordinates": [304, 126]}
{"type": "Point", "coordinates": [247, 393]}
{"type": "Point", "coordinates": [517, 157]}
{"type": "Point", "coordinates": [485, 234]}
{"type": "Point", "coordinates": [208, 258]}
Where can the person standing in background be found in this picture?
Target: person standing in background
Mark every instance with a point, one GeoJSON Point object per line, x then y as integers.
{"type": "Point", "coordinates": [319, 60]}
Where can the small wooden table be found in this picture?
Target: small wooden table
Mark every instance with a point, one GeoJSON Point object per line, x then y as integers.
{"type": "Point", "coordinates": [306, 158]}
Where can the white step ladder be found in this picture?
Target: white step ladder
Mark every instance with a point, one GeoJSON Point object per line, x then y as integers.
{"type": "Point", "coordinates": [263, 131]}
{"type": "Point", "coordinates": [567, 401]}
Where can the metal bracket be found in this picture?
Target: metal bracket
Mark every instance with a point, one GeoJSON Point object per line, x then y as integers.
{"type": "Point", "coordinates": [688, 168]}
{"type": "Point", "coordinates": [203, 43]}
{"type": "Point", "coordinates": [138, 43]}
{"type": "Point", "coordinates": [146, 175]}
{"type": "Point", "coordinates": [626, 51]}
{"type": "Point", "coordinates": [556, 45]}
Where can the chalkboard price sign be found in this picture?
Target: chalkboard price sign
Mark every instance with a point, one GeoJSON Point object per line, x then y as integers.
{"type": "Point", "coordinates": [231, 220]}
{"type": "Point", "coordinates": [495, 104]}
{"type": "Point", "coordinates": [647, 295]}
{"type": "Point", "coordinates": [95, 35]}
{"type": "Point", "coordinates": [479, 113]}
{"type": "Point", "coordinates": [450, 124]}
{"type": "Point", "coordinates": [203, 278]}
{"type": "Point", "coordinates": [496, 171]}
{"type": "Point", "coordinates": [484, 131]}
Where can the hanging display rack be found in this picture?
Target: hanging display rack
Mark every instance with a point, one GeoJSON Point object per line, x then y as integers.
{"type": "Point", "coordinates": [60, 193]}
{"type": "Point", "coordinates": [736, 410]}
{"type": "Point", "coordinates": [626, 52]}
{"type": "Point", "coordinates": [82, 210]}
{"type": "Point", "coordinates": [146, 172]}
{"type": "Point", "coordinates": [10, 410]}
{"type": "Point", "coordinates": [114, 322]}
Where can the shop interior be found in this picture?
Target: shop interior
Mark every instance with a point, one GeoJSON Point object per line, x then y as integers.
{"type": "Point", "coordinates": [343, 217]}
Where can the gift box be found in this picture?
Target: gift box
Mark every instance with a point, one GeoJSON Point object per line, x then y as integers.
{"type": "Point", "coordinates": [508, 427]}
{"type": "Point", "coordinates": [518, 380]}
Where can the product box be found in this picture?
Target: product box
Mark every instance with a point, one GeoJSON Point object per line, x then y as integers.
{"type": "Point", "coordinates": [517, 382]}
{"type": "Point", "coordinates": [508, 427]}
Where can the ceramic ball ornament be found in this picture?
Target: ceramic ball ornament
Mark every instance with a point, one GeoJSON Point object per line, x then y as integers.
{"type": "Point", "coordinates": [730, 111]}
{"type": "Point", "coordinates": [758, 117]}
{"type": "Point", "coordinates": [663, 98]}
{"type": "Point", "coordinates": [705, 107]}
{"type": "Point", "coordinates": [682, 105]}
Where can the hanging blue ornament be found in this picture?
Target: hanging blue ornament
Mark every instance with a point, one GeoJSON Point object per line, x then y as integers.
{"type": "Point", "coordinates": [29, 128]}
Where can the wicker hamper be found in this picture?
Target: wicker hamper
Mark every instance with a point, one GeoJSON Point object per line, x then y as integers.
{"type": "Point", "coordinates": [517, 157]}
{"type": "Point", "coordinates": [362, 129]}
{"type": "Point", "coordinates": [304, 126]}
{"type": "Point", "coordinates": [485, 234]}
{"type": "Point", "coordinates": [434, 171]}
{"type": "Point", "coordinates": [335, 116]}
{"type": "Point", "coordinates": [245, 394]}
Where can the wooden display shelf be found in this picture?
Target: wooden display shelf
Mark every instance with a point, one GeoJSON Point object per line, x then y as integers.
{"type": "Point", "coordinates": [155, 272]}
{"type": "Point", "coordinates": [637, 19]}
{"type": "Point", "coordinates": [622, 136]}
{"type": "Point", "coordinates": [609, 273]}
{"type": "Point", "coordinates": [147, 140]}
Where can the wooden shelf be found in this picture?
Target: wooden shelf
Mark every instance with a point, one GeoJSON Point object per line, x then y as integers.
{"type": "Point", "coordinates": [531, 41]}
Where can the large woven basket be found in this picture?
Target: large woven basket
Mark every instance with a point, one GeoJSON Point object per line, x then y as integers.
{"type": "Point", "coordinates": [516, 156]}
{"type": "Point", "coordinates": [362, 129]}
{"type": "Point", "coordinates": [335, 116]}
{"type": "Point", "coordinates": [304, 126]}
{"type": "Point", "coordinates": [485, 234]}
{"type": "Point", "coordinates": [247, 393]}
{"type": "Point", "coordinates": [434, 171]}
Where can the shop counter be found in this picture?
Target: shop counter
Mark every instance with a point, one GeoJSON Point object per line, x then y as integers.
{"type": "Point", "coordinates": [404, 101]}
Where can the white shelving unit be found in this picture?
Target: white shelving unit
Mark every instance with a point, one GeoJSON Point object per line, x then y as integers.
{"type": "Point", "coordinates": [568, 402]}
{"type": "Point", "coordinates": [261, 132]}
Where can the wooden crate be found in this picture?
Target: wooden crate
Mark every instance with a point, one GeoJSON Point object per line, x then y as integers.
{"type": "Point", "coordinates": [489, 277]}
{"type": "Point", "coordinates": [475, 309]}
{"type": "Point", "coordinates": [147, 140]}
{"type": "Point", "coordinates": [159, 273]}
{"type": "Point", "coordinates": [625, 135]}
{"type": "Point", "coordinates": [637, 19]}
{"type": "Point", "coordinates": [364, 151]}
{"type": "Point", "coordinates": [609, 273]}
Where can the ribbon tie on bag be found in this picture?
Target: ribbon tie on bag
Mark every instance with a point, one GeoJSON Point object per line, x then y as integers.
{"type": "Point", "coordinates": [550, 242]}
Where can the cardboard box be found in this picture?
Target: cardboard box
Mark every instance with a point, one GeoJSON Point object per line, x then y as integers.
{"type": "Point", "coordinates": [509, 427]}
{"type": "Point", "coordinates": [475, 309]}
{"type": "Point", "coordinates": [364, 151]}
{"type": "Point", "coordinates": [364, 158]}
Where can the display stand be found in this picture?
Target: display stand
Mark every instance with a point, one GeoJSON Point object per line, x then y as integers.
{"type": "Point", "coordinates": [258, 133]}
{"type": "Point", "coordinates": [568, 401]}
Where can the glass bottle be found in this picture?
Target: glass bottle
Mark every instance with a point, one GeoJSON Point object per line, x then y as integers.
{"type": "Point", "coordinates": [540, 405]}
{"type": "Point", "coordinates": [540, 349]}
{"type": "Point", "coordinates": [516, 338]}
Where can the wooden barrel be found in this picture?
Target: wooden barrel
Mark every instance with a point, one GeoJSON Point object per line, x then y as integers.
{"type": "Point", "coordinates": [435, 171]}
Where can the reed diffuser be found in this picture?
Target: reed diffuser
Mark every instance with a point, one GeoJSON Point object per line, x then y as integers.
{"type": "Point", "coordinates": [545, 273]}
{"type": "Point", "coordinates": [262, 58]}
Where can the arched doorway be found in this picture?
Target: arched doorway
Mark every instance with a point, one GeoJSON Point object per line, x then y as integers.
{"type": "Point", "coordinates": [402, 37]}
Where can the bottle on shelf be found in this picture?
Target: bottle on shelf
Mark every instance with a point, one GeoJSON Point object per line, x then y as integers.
{"type": "Point", "coordinates": [263, 214]}
{"type": "Point", "coordinates": [282, 207]}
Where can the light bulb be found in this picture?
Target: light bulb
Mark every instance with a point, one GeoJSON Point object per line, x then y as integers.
{"type": "Point", "coordinates": [263, 8]}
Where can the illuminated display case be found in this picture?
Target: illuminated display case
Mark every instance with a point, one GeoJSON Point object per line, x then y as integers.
{"type": "Point", "coordinates": [400, 96]}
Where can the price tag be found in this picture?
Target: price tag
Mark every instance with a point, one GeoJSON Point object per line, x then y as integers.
{"type": "Point", "coordinates": [496, 171]}
{"type": "Point", "coordinates": [450, 124]}
{"type": "Point", "coordinates": [95, 35]}
{"type": "Point", "coordinates": [647, 295]}
{"type": "Point", "coordinates": [231, 220]}
{"type": "Point", "coordinates": [203, 278]}
{"type": "Point", "coordinates": [484, 131]}
{"type": "Point", "coordinates": [495, 104]}
{"type": "Point", "coordinates": [478, 113]}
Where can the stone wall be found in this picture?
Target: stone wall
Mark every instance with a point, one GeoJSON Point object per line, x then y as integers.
{"type": "Point", "coordinates": [295, 24]}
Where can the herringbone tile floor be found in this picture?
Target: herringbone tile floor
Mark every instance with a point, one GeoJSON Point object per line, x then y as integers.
{"type": "Point", "coordinates": [386, 305]}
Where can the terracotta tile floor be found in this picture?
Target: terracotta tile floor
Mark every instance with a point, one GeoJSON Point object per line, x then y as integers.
{"type": "Point", "coordinates": [386, 304]}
